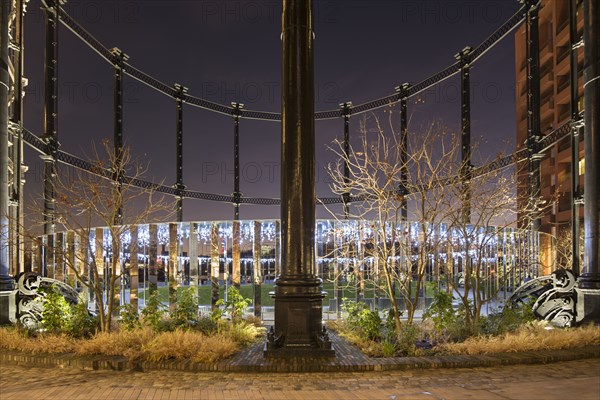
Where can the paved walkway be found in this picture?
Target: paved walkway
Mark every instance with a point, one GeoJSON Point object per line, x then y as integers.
{"type": "Point", "coordinates": [578, 379]}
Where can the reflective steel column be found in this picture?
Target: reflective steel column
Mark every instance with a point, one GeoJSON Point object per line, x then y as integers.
{"type": "Point", "coordinates": [6, 281]}
{"type": "Point", "coordinates": [16, 126]}
{"type": "Point", "coordinates": [298, 296]}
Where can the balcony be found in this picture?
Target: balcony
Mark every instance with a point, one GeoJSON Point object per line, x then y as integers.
{"type": "Point", "coordinates": [562, 34]}
{"type": "Point", "coordinates": [546, 54]}
{"type": "Point", "coordinates": [563, 66]}
{"type": "Point", "coordinates": [547, 109]}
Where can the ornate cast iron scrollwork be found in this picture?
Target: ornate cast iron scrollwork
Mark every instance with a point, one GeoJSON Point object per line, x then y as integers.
{"type": "Point", "coordinates": [30, 299]}
{"type": "Point", "coordinates": [555, 297]}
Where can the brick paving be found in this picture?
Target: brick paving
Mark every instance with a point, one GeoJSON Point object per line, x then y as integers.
{"type": "Point", "coordinates": [579, 379]}
{"type": "Point", "coordinates": [350, 375]}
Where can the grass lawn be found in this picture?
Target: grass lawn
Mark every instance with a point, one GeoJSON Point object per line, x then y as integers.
{"type": "Point", "coordinates": [247, 290]}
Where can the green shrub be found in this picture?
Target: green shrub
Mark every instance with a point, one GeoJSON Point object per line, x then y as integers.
{"type": "Point", "coordinates": [244, 333]}
{"type": "Point", "coordinates": [365, 322]}
{"type": "Point", "coordinates": [82, 323]}
{"type": "Point", "coordinates": [509, 319]}
{"type": "Point", "coordinates": [390, 325]}
{"type": "Point", "coordinates": [154, 311]}
{"type": "Point", "coordinates": [407, 340]}
{"type": "Point", "coordinates": [388, 348]}
{"type": "Point", "coordinates": [206, 325]}
{"type": "Point", "coordinates": [130, 318]}
{"type": "Point", "coordinates": [58, 316]}
{"type": "Point", "coordinates": [56, 311]}
{"type": "Point", "coordinates": [235, 304]}
{"type": "Point", "coordinates": [186, 311]}
{"type": "Point", "coordinates": [441, 313]}
{"type": "Point", "coordinates": [167, 325]}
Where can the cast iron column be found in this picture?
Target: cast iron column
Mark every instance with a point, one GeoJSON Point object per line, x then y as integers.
{"type": "Point", "coordinates": [298, 295]}
{"type": "Point", "coordinates": [346, 110]}
{"type": "Point", "coordinates": [464, 57]}
{"type": "Point", "coordinates": [118, 59]}
{"type": "Point", "coordinates": [590, 279]}
{"type": "Point", "coordinates": [402, 91]}
{"type": "Point", "coordinates": [237, 107]}
{"type": "Point", "coordinates": [50, 127]}
{"type": "Point", "coordinates": [181, 91]}
{"type": "Point", "coordinates": [6, 281]}
{"type": "Point", "coordinates": [576, 124]}
{"type": "Point", "coordinates": [533, 126]}
{"type": "Point", "coordinates": [235, 246]}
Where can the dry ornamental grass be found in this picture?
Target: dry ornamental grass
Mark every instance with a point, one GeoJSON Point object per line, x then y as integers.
{"type": "Point", "coordinates": [140, 344]}
{"type": "Point", "coordinates": [528, 338]}
{"type": "Point", "coordinates": [143, 344]}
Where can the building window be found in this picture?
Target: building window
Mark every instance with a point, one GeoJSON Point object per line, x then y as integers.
{"type": "Point", "coordinates": [581, 166]}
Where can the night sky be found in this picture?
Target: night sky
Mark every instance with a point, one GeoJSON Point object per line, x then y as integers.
{"type": "Point", "coordinates": [228, 51]}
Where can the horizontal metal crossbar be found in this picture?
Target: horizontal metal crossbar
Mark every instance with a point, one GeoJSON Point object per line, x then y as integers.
{"type": "Point", "coordinates": [436, 78]}
{"type": "Point", "coordinates": [520, 155]}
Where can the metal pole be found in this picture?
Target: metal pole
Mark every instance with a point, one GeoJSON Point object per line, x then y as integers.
{"type": "Point", "coordinates": [298, 294]}
{"type": "Point", "coordinates": [256, 271]}
{"type": "Point", "coordinates": [576, 124]}
{"type": "Point", "coordinates": [464, 57]}
{"type": "Point", "coordinates": [181, 91]}
{"type": "Point", "coordinates": [346, 111]}
{"type": "Point", "coordinates": [235, 246]}
{"type": "Point", "coordinates": [590, 279]}
{"type": "Point", "coordinates": [533, 129]}
{"type": "Point", "coordinates": [402, 91]}
{"type": "Point", "coordinates": [6, 281]}
{"type": "Point", "coordinates": [50, 126]}
{"type": "Point", "coordinates": [118, 168]}
{"type": "Point", "coordinates": [236, 159]}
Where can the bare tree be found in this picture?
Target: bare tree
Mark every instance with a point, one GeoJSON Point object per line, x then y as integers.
{"type": "Point", "coordinates": [473, 239]}
{"type": "Point", "coordinates": [384, 175]}
{"type": "Point", "coordinates": [455, 217]}
{"type": "Point", "coordinates": [477, 237]}
{"type": "Point", "coordinates": [107, 198]}
{"type": "Point", "coordinates": [564, 246]}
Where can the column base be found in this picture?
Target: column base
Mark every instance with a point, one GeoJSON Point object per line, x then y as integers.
{"type": "Point", "coordinates": [7, 282]}
{"type": "Point", "coordinates": [589, 281]}
{"type": "Point", "coordinates": [298, 329]}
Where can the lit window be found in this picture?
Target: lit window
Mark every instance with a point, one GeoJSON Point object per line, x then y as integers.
{"type": "Point", "coordinates": [581, 166]}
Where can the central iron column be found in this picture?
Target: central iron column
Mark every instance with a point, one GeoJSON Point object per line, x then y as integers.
{"type": "Point", "coordinates": [298, 296]}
